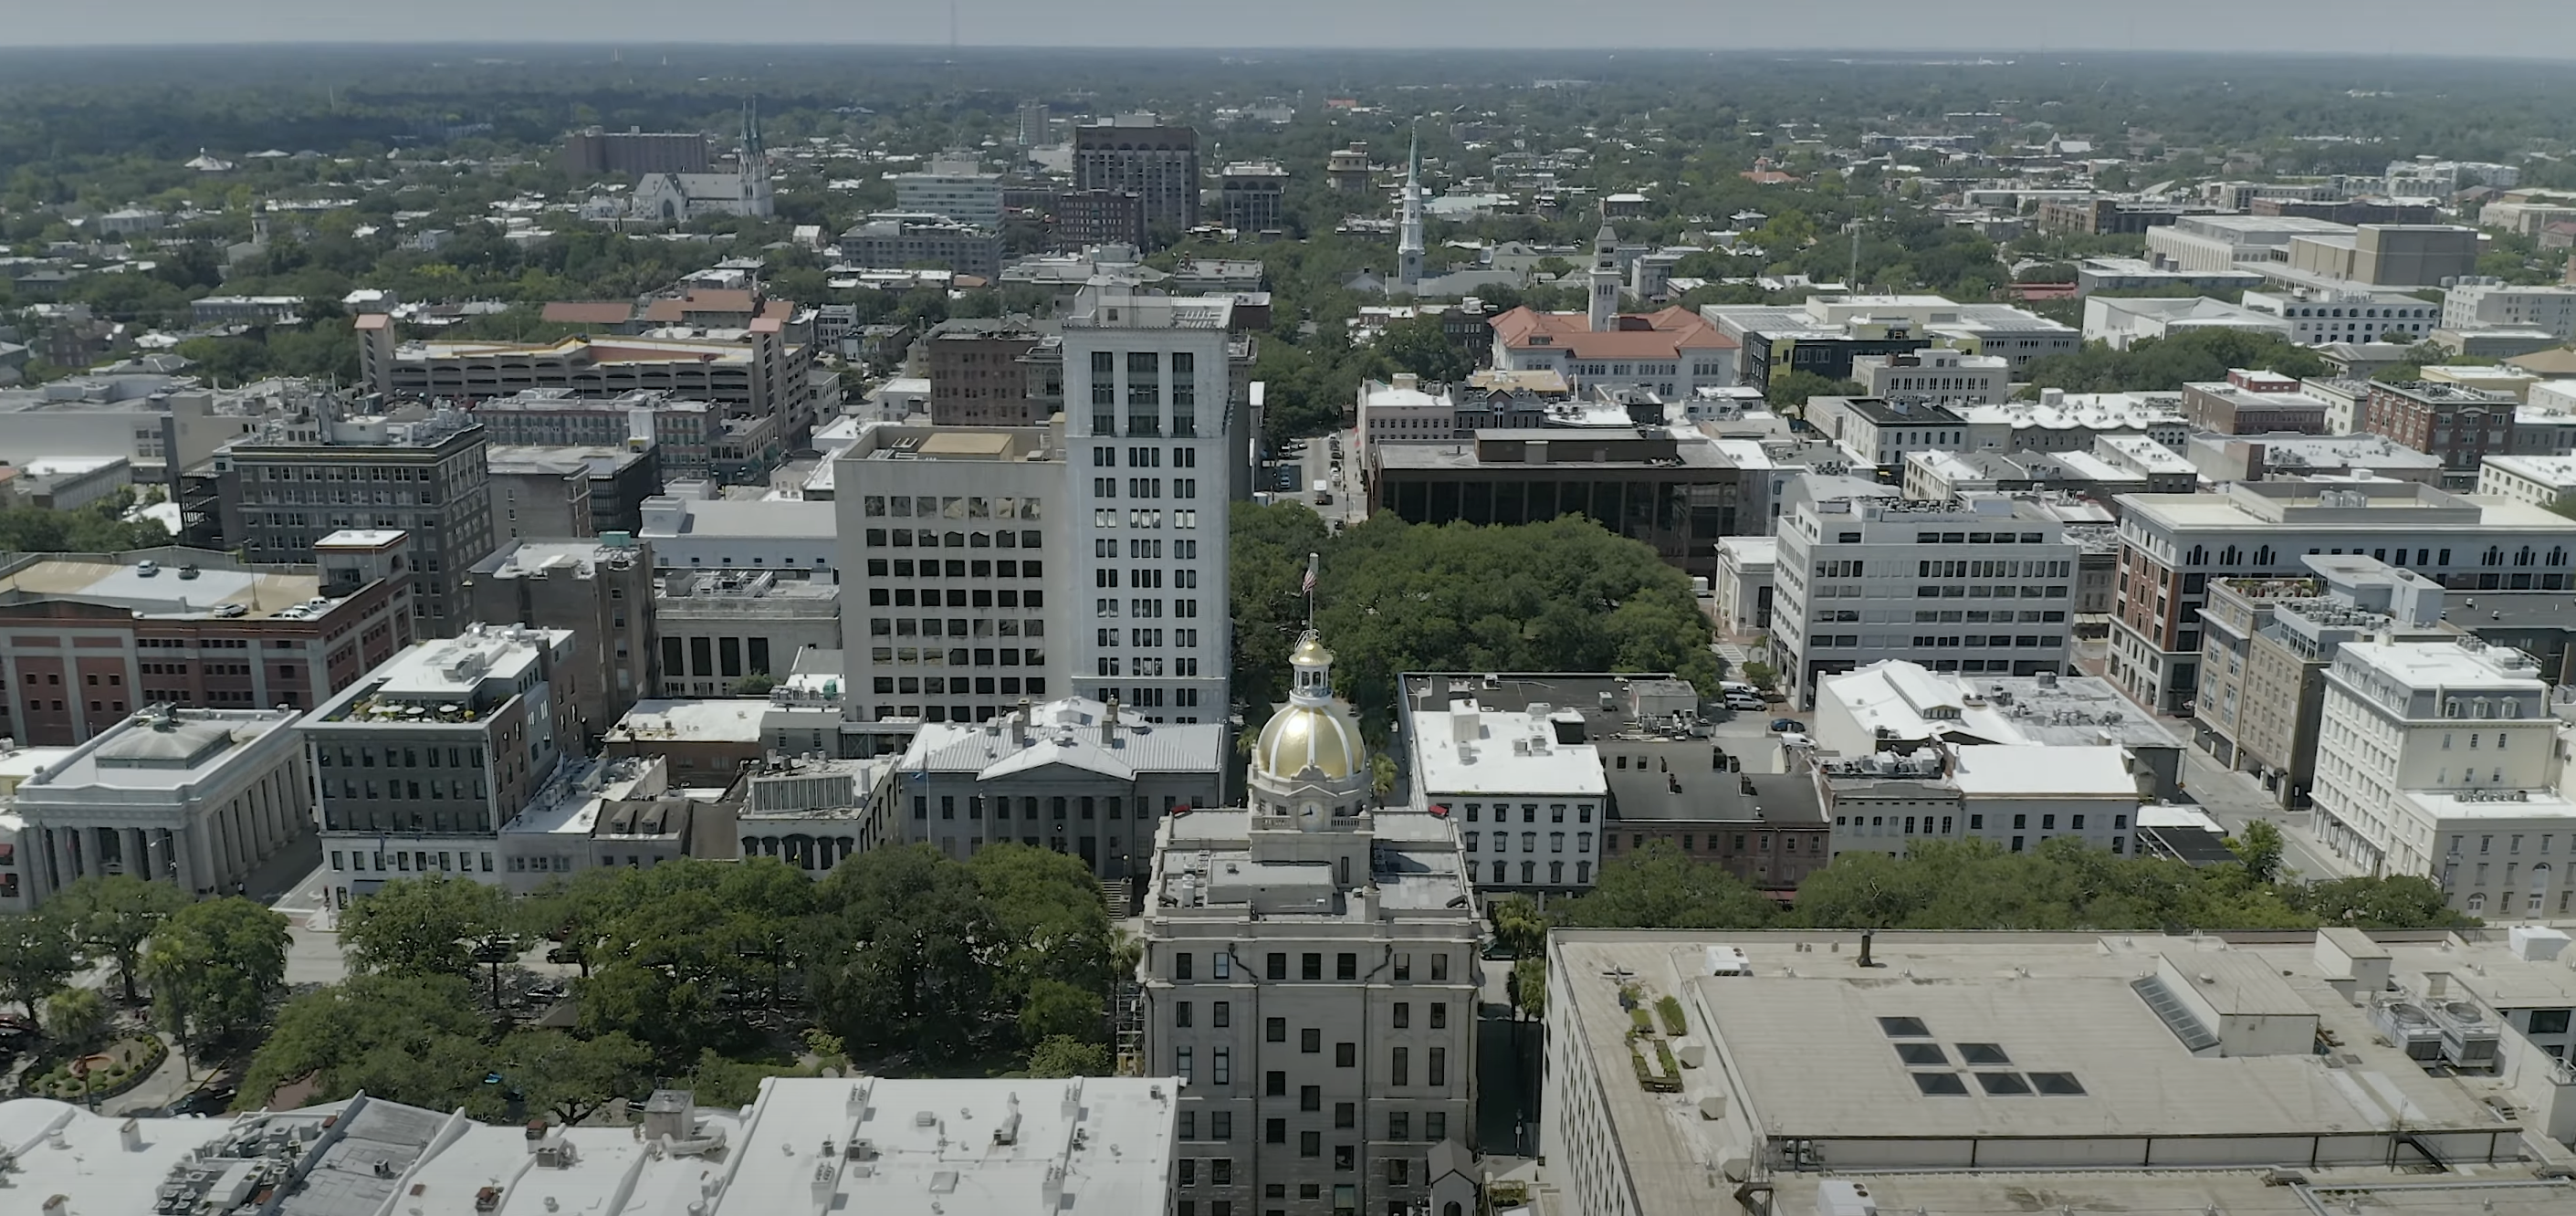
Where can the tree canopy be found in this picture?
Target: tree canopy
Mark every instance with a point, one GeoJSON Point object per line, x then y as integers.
{"type": "Point", "coordinates": [2166, 364]}
{"type": "Point", "coordinates": [1566, 595]}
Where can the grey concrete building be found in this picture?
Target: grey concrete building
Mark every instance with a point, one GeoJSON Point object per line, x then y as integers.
{"type": "Point", "coordinates": [1310, 973]}
{"type": "Point", "coordinates": [602, 592]}
{"type": "Point", "coordinates": [199, 798]}
{"type": "Point", "coordinates": [719, 627]}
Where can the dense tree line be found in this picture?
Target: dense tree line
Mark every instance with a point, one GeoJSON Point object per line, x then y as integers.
{"type": "Point", "coordinates": [1976, 884]}
{"type": "Point", "coordinates": [204, 970]}
{"type": "Point", "coordinates": [716, 973]}
{"type": "Point", "coordinates": [1567, 595]}
{"type": "Point", "coordinates": [2166, 364]}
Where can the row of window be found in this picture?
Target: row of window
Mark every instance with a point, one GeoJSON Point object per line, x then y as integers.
{"type": "Point", "coordinates": [1529, 842]}
{"type": "Point", "coordinates": [952, 627]}
{"type": "Point", "coordinates": [1399, 1125]}
{"type": "Point", "coordinates": [933, 656]}
{"type": "Point", "coordinates": [1145, 518]}
{"type": "Point", "coordinates": [956, 568]}
{"type": "Point", "coordinates": [1085, 807]}
{"type": "Point", "coordinates": [876, 506]}
{"type": "Point", "coordinates": [1529, 810]}
{"type": "Point", "coordinates": [940, 686]}
{"type": "Point", "coordinates": [1310, 966]}
{"type": "Point", "coordinates": [1399, 1069]}
{"type": "Point", "coordinates": [413, 862]}
{"type": "Point", "coordinates": [1144, 609]}
{"type": "Point", "coordinates": [925, 538]}
{"type": "Point", "coordinates": [1221, 1016]}
{"type": "Point", "coordinates": [1529, 873]}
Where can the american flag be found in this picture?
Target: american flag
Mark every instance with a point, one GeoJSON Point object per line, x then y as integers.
{"type": "Point", "coordinates": [1312, 560]}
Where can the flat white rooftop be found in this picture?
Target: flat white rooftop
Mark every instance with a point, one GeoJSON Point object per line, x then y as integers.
{"type": "Point", "coordinates": [1468, 750]}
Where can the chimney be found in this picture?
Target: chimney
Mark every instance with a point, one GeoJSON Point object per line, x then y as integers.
{"type": "Point", "coordinates": [130, 1133]}
{"type": "Point", "coordinates": [535, 1134]}
{"type": "Point", "coordinates": [1020, 724]}
{"type": "Point", "coordinates": [1865, 936]}
{"type": "Point", "coordinates": [1109, 722]}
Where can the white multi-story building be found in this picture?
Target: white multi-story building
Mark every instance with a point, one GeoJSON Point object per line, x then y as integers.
{"type": "Point", "coordinates": [2542, 481]}
{"type": "Point", "coordinates": [2172, 545]}
{"type": "Point", "coordinates": [2448, 718]}
{"type": "Point", "coordinates": [1936, 375]}
{"type": "Point", "coordinates": [1150, 411]}
{"type": "Point", "coordinates": [922, 562]}
{"type": "Point", "coordinates": [1310, 973]}
{"type": "Point", "coordinates": [2317, 316]}
{"type": "Point", "coordinates": [952, 186]}
{"type": "Point", "coordinates": [1526, 789]}
{"type": "Point", "coordinates": [418, 766]}
{"type": "Point", "coordinates": [1980, 586]}
{"type": "Point", "coordinates": [198, 798]}
{"type": "Point", "coordinates": [2486, 302]}
{"type": "Point", "coordinates": [1746, 568]}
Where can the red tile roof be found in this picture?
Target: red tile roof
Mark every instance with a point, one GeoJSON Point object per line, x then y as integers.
{"type": "Point", "coordinates": [1667, 334]}
{"type": "Point", "coordinates": [590, 312]}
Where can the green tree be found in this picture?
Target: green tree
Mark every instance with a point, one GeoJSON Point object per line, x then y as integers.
{"type": "Point", "coordinates": [410, 1038]}
{"type": "Point", "coordinates": [2399, 902]}
{"type": "Point", "coordinates": [1788, 391]}
{"type": "Point", "coordinates": [1064, 1056]}
{"type": "Point", "coordinates": [2258, 847]}
{"type": "Point", "coordinates": [77, 1018]}
{"type": "Point", "coordinates": [111, 916]}
{"type": "Point", "coordinates": [573, 1077]}
{"type": "Point", "coordinates": [1519, 925]}
{"type": "Point", "coordinates": [1421, 346]}
{"type": "Point", "coordinates": [1659, 887]}
{"type": "Point", "coordinates": [37, 957]}
{"type": "Point", "coordinates": [422, 926]}
{"type": "Point", "coordinates": [1529, 987]}
{"type": "Point", "coordinates": [912, 955]}
{"type": "Point", "coordinates": [1055, 1009]}
{"type": "Point", "coordinates": [214, 966]}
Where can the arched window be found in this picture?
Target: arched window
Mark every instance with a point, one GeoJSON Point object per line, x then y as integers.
{"type": "Point", "coordinates": [2477, 903]}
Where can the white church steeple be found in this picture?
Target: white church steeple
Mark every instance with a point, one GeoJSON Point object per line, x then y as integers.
{"type": "Point", "coordinates": [1408, 247]}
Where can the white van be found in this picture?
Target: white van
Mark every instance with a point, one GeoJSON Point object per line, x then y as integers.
{"type": "Point", "coordinates": [1732, 688]}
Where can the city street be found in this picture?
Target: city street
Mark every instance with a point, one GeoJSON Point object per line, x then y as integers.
{"type": "Point", "coordinates": [2234, 799]}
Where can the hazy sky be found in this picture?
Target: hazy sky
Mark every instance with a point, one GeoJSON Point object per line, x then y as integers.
{"type": "Point", "coordinates": [2522, 28]}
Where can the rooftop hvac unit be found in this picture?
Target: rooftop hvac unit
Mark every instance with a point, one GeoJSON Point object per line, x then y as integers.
{"type": "Point", "coordinates": [2410, 1029]}
{"type": "Point", "coordinates": [2469, 1040]}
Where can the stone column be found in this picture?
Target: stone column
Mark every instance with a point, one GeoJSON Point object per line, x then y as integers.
{"type": "Point", "coordinates": [138, 857]}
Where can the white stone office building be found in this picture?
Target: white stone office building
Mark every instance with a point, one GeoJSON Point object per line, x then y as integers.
{"type": "Point", "coordinates": [1149, 420]}
{"type": "Point", "coordinates": [1978, 586]}
{"type": "Point", "coordinates": [2486, 302]}
{"type": "Point", "coordinates": [2448, 718]}
{"type": "Point", "coordinates": [199, 798]}
{"type": "Point", "coordinates": [1073, 775]}
{"type": "Point", "coordinates": [1526, 789]}
{"type": "Point", "coordinates": [956, 570]}
{"type": "Point", "coordinates": [1310, 973]}
{"type": "Point", "coordinates": [1935, 375]}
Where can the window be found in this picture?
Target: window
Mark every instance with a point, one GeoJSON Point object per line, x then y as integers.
{"type": "Point", "coordinates": [1346, 1114]}
{"type": "Point", "coordinates": [1403, 1015]}
{"type": "Point", "coordinates": [1310, 1144]}
{"type": "Point", "coordinates": [1310, 1040]}
{"type": "Point", "coordinates": [1221, 1014]}
{"type": "Point", "coordinates": [1399, 1069]}
{"type": "Point", "coordinates": [1438, 1073]}
{"type": "Point", "coordinates": [1404, 966]}
{"type": "Point", "coordinates": [1440, 962]}
{"type": "Point", "coordinates": [1439, 1015]}
{"type": "Point", "coordinates": [1274, 1131]}
{"type": "Point", "coordinates": [1311, 967]}
{"type": "Point", "coordinates": [1224, 1066]}
{"type": "Point", "coordinates": [1181, 1014]}
{"type": "Point", "coordinates": [1181, 966]}
{"type": "Point", "coordinates": [1278, 966]}
{"type": "Point", "coordinates": [1221, 1125]}
{"type": "Point", "coordinates": [1182, 1065]}
{"type": "Point", "coordinates": [2550, 1021]}
{"type": "Point", "coordinates": [1275, 1030]}
{"type": "Point", "coordinates": [1435, 1126]}
{"type": "Point", "coordinates": [1310, 1097]}
{"type": "Point", "coordinates": [1346, 966]}
{"type": "Point", "coordinates": [1274, 1084]}
{"type": "Point", "coordinates": [1399, 1125]}
{"type": "Point", "coordinates": [1346, 1055]}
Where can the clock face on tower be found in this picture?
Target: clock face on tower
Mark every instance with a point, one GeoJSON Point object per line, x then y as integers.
{"type": "Point", "coordinates": [1310, 815]}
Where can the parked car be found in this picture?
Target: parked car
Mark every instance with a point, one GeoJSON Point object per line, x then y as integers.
{"type": "Point", "coordinates": [1788, 726]}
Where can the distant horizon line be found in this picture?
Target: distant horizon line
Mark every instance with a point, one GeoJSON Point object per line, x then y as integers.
{"type": "Point", "coordinates": [1914, 53]}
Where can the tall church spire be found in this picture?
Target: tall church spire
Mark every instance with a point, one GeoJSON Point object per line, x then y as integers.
{"type": "Point", "coordinates": [1408, 248]}
{"type": "Point", "coordinates": [752, 167]}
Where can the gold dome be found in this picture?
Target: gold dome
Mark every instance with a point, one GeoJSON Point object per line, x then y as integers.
{"type": "Point", "coordinates": [1310, 650]}
{"type": "Point", "coordinates": [1299, 737]}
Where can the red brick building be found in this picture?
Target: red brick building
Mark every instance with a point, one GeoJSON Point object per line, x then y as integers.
{"type": "Point", "coordinates": [87, 639]}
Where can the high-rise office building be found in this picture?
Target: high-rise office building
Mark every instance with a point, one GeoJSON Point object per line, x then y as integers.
{"type": "Point", "coordinates": [423, 471]}
{"type": "Point", "coordinates": [1136, 152]}
{"type": "Point", "coordinates": [1149, 404]}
